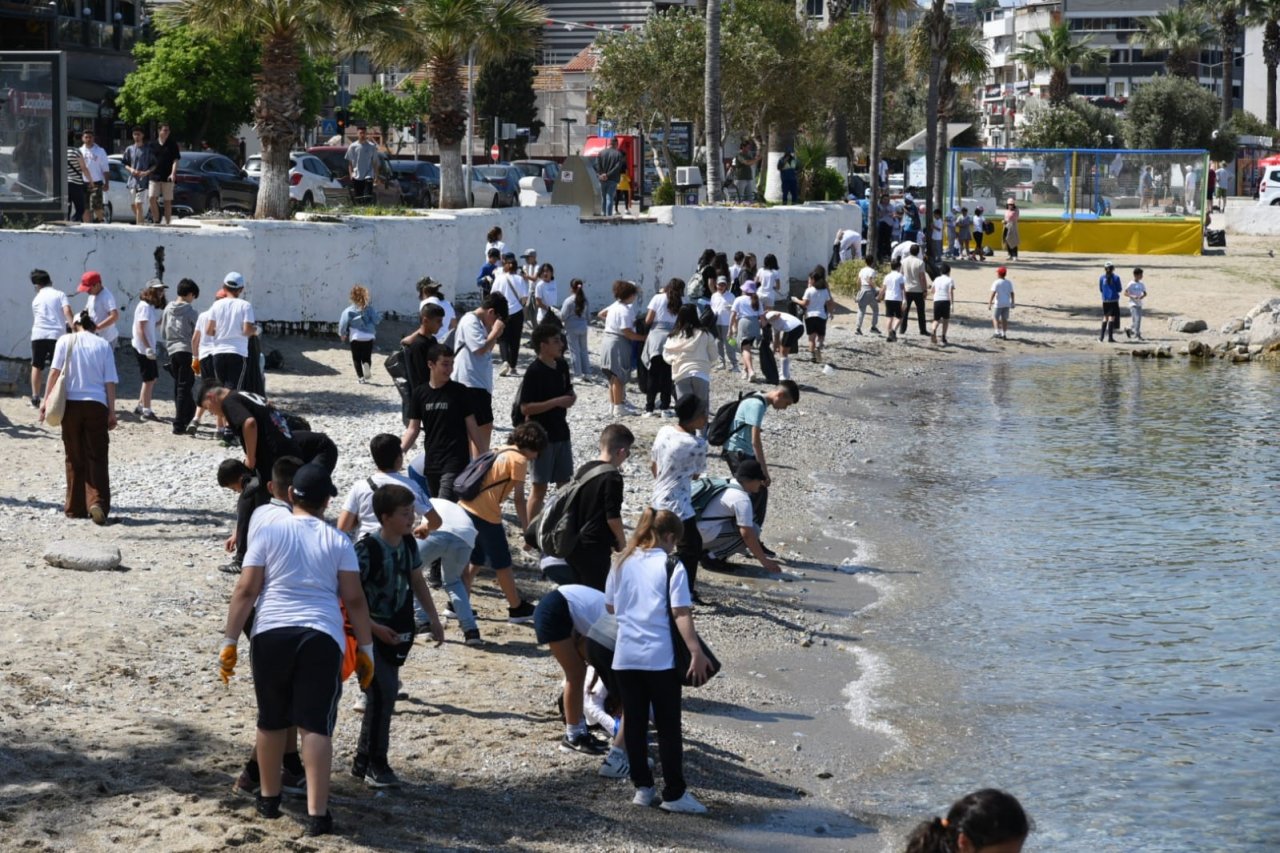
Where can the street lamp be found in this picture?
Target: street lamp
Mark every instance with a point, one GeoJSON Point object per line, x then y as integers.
{"type": "Point", "coordinates": [568, 131]}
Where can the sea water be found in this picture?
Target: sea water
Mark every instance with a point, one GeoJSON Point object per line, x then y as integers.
{"type": "Point", "coordinates": [1085, 562]}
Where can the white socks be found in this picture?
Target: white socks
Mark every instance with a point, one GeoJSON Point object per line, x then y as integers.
{"type": "Point", "coordinates": [786, 367]}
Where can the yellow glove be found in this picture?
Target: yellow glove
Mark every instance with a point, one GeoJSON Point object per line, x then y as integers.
{"type": "Point", "coordinates": [364, 666]}
{"type": "Point", "coordinates": [195, 366]}
{"type": "Point", "coordinates": [227, 660]}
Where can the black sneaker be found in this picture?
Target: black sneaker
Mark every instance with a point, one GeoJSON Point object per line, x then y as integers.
{"type": "Point", "coordinates": [584, 742]}
{"type": "Point", "coordinates": [715, 564]}
{"type": "Point", "coordinates": [247, 784]}
{"type": "Point", "coordinates": [231, 568]}
{"type": "Point", "coordinates": [360, 766]}
{"type": "Point", "coordinates": [433, 576]}
{"type": "Point", "coordinates": [520, 615]}
{"type": "Point", "coordinates": [472, 637]}
{"type": "Point", "coordinates": [269, 807]}
{"type": "Point", "coordinates": [769, 552]}
{"type": "Point", "coordinates": [381, 777]}
{"type": "Point", "coordinates": [319, 825]}
{"type": "Point", "coordinates": [35, 402]}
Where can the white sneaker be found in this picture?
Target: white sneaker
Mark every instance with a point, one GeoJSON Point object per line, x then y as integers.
{"type": "Point", "coordinates": [643, 797]}
{"type": "Point", "coordinates": [362, 702]}
{"type": "Point", "coordinates": [685, 805]}
{"type": "Point", "coordinates": [615, 765]}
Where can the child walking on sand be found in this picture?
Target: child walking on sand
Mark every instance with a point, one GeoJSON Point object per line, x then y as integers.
{"type": "Point", "coordinates": [1137, 292]}
{"type": "Point", "coordinates": [1000, 303]}
{"type": "Point", "coordinates": [358, 326]}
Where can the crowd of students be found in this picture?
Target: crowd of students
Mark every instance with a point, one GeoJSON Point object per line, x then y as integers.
{"type": "Point", "coordinates": [320, 602]}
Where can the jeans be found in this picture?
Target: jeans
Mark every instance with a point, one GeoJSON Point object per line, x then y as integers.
{"type": "Point", "coordinates": [790, 187]}
{"type": "Point", "coordinates": [579, 354]}
{"type": "Point", "coordinates": [375, 729]}
{"type": "Point", "coordinates": [1135, 319]}
{"type": "Point", "coordinates": [608, 191]}
{"type": "Point", "coordinates": [509, 343]}
{"type": "Point", "coordinates": [184, 383]}
{"type": "Point", "coordinates": [728, 355]}
{"type": "Point", "coordinates": [453, 554]}
{"type": "Point", "coordinates": [760, 500]}
{"type": "Point", "coordinates": [746, 188]}
{"type": "Point", "coordinates": [660, 688]}
{"type": "Point", "coordinates": [362, 354]}
{"type": "Point", "coordinates": [867, 299]}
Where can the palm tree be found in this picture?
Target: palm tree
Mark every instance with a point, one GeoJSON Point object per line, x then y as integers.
{"type": "Point", "coordinates": [1266, 14]}
{"type": "Point", "coordinates": [965, 62]}
{"type": "Point", "coordinates": [928, 46]}
{"type": "Point", "coordinates": [446, 34]}
{"type": "Point", "coordinates": [711, 93]}
{"type": "Point", "coordinates": [1058, 54]}
{"type": "Point", "coordinates": [1178, 31]}
{"type": "Point", "coordinates": [1226, 16]}
{"type": "Point", "coordinates": [286, 29]}
{"type": "Point", "coordinates": [882, 14]}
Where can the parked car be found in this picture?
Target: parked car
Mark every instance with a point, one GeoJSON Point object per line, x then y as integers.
{"type": "Point", "coordinates": [548, 170]}
{"type": "Point", "coordinates": [1269, 186]}
{"type": "Point", "coordinates": [419, 182]}
{"type": "Point", "coordinates": [505, 177]}
{"type": "Point", "coordinates": [208, 181]}
{"type": "Point", "coordinates": [118, 196]}
{"type": "Point", "coordinates": [386, 189]}
{"type": "Point", "coordinates": [310, 181]}
{"type": "Point", "coordinates": [486, 193]}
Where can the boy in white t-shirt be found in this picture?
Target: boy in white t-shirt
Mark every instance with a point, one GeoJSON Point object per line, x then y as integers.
{"type": "Point", "coordinates": [50, 318]}
{"type": "Point", "coordinates": [358, 517]}
{"type": "Point", "coordinates": [1137, 292]}
{"type": "Point", "coordinates": [943, 288]}
{"type": "Point", "coordinates": [1000, 303]}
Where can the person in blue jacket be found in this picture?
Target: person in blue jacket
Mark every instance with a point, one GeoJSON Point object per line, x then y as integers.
{"type": "Point", "coordinates": [1110, 287]}
{"type": "Point", "coordinates": [358, 326]}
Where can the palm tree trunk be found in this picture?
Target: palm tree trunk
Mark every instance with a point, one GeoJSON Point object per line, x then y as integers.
{"type": "Point", "coordinates": [877, 119]}
{"type": "Point", "coordinates": [711, 84]}
{"type": "Point", "coordinates": [939, 27]}
{"type": "Point", "coordinates": [277, 107]}
{"type": "Point", "coordinates": [1271, 95]}
{"type": "Point", "coordinates": [1271, 57]}
{"type": "Point", "coordinates": [447, 120]}
{"type": "Point", "coordinates": [1230, 29]}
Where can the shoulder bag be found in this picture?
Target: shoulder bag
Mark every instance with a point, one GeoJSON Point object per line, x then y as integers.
{"type": "Point", "coordinates": [56, 404]}
{"type": "Point", "coordinates": [682, 654]}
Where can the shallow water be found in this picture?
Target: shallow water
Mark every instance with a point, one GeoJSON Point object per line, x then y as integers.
{"type": "Point", "coordinates": [1084, 564]}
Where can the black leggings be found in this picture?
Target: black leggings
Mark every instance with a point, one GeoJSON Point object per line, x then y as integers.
{"type": "Point", "coordinates": [362, 354]}
{"type": "Point", "coordinates": [916, 299]}
{"type": "Point", "coordinates": [659, 384]}
{"type": "Point", "coordinates": [660, 688]}
{"type": "Point", "coordinates": [509, 343]}
{"type": "Point", "coordinates": [689, 550]}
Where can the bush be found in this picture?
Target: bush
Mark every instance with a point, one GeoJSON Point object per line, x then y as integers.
{"type": "Point", "coordinates": [828, 185]}
{"type": "Point", "coordinates": [1048, 190]}
{"type": "Point", "coordinates": [665, 194]}
{"type": "Point", "coordinates": [844, 280]}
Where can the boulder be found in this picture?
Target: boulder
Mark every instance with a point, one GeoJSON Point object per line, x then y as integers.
{"type": "Point", "coordinates": [1237, 357]}
{"type": "Point", "coordinates": [1164, 351]}
{"type": "Point", "coordinates": [1266, 306]}
{"type": "Point", "coordinates": [82, 556]}
{"type": "Point", "coordinates": [1265, 329]}
{"type": "Point", "coordinates": [1186, 324]}
{"type": "Point", "coordinates": [1198, 349]}
{"type": "Point", "coordinates": [1232, 326]}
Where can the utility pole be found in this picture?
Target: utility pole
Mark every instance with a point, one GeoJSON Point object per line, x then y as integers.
{"type": "Point", "coordinates": [568, 134]}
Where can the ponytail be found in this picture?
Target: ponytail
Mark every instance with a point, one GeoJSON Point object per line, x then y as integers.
{"type": "Point", "coordinates": [985, 818]}
{"type": "Point", "coordinates": [675, 290]}
{"type": "Point", "coordinates": [579, 296]}
{"type": "Point", "coordinates": [932, 836]}
{"type": "Point", "coordinates": [652, 526]}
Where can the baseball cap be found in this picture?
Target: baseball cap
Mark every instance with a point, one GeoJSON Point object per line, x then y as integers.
{"type": "Point", "coordinates": [528, 252]}
{"type": "Point", "coordinates": [748, 470]}
{"type": "Point", "coordinates": [721, 280]}
{"type": "Point", "coordinates": [312, 482]}
{"type": "Point", "coordinates": [88, 280]}
{"type": "Point", "coordinates": [233, 280]}
{"type": "Point", "coordinates": [748, 288]}
{"type": "Point", "coordinates": [155, 282]}
{"type": "Point", "coordinates": [1108, 266]}
{"type": "Point", "coordinates": [1000, 271]}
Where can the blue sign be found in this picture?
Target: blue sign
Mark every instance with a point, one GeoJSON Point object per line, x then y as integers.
{"type": "Point", "coordinates": [328, 126]}
{"type": "Point", "coordinates": [605, 129]}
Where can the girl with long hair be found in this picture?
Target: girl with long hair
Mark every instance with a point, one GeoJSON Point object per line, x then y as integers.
{"type": "Point", "coordinates": [146, 336]}
{"type": "Point", "coordinates": [647, 593]}
{"type": "Point", "coordinates": [986, 821]}
{"type": "Point", "coordinates": [358, 327]}
{"type": "Point", "coordinates": [493, 240]}
{"type": "Point", "coordinates": [576, 319]}
{"type": "Point", "coordinates": [690, 350]}
{"type": "Point", "coordinates": [660, 320]}
{"type": "Point", "coordinates": [615, 357]}
{"type": "Point", "coordinates": [546, 296]}
{"type": "Point", "coordinates": [509, 284]}
{"type": "Point", "coordinates": [744, 319]}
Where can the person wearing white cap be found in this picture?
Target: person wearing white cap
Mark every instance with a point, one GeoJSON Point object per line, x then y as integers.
{"type": "Point", "coordinates": [226, 336]}
{"type": "Point", "coordinates": [146, 336]}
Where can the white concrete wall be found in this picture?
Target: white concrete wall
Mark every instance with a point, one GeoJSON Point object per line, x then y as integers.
{"type": "Point", "coordinates": [1249, 217]}
{"type": "Point", "coordinates": [303, 271]}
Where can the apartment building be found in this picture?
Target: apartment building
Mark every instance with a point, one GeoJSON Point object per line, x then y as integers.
{"type": "Point", "coordinates": [1008, 85]}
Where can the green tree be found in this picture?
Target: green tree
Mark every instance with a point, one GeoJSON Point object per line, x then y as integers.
{"type": "Point", "coordinates": [380, 108]}
{"type": "Point", "coordinates": [1181, 33]}
{"type": "Point", "coordinates": [1075, 124]}
{"type": "Point", "coordinates": [1056, 52]}
{"type": "Point", "coordinates": [200, 85]}
{"type": "Point", "coordinates": [1266, 14]}
{"type": "Point", "coordinates": [1226, 16]}
{"type": "Point", "coordinates": [286, 30]}
{"type": "Point", "coordinates": [1171, 112]}
{"type": "Point", "coordinates": [882, 13]}
{"type": "Point", "coordinates": [505, 89]}
{"type": "Point", "coordinates": [445, 35]}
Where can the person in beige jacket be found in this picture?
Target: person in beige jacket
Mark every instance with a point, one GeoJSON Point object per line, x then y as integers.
{"type": "Point", "coordinates": [690, 350]}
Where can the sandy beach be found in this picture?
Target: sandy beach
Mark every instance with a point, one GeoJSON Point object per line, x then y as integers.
{"type": "Point", "coordinates": [115, 731]}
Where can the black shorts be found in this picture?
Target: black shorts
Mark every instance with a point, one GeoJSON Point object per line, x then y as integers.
{"type": "Point", "coordinates": [148, 367]}
{"type": "Point", "coordinates": [942, 309]}
{"type": "Point", "coordinates": [297, 677]}
{"type": "Point", "coordinates": [893, 308]}
{"type": "Point", "coordinates": [206, 368]}
{"type": "Point", "coordinates": [1111, 310]}
{"type": "Point", "coordinates": [42, 353]}
{"type": "Point", "coordinates": [551, 619]}
{"type": "Point", "coordinates": [228, 368]}
{"type": "Point", "coordinates": [481, 405]}
{"type": "Point", "coordinates": [815, 325]}
{"type": "Point", "coordinates": [791, 340]}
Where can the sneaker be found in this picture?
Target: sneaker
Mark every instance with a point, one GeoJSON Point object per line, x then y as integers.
{"type": "Point", "coordinates": [269, 807]}
{"type": "Point", "coordinates": [615, 765]}
{"type": "Point", "coordinates": [231, 568]}
{"type": "Point", "coordinates": [1128, 333]}
{"type": "Point", "coordinates": [448, 612]}
{"type": "Point", "coordinates": [35, 402]}
{"type": "Point", "coordinates": [192, 429]}
{"type": "Point", "coordinates": [293, 783]}
{"type": "Point", "coordinates": [360, 766]}
{"type": "Point", "coordinates": [685, 805]}
{"type": "Point", "coordinates": [521, 614]}
{"type": "Point", "coordinates": [138, 410]}
{"type": "Point", "coordinates": [472, 638]}
{"type": "Point", "coordinates": [874, 330]}
{"type": "Point", "coordinates": [715, 564]}
{"type": "Point", "coordinates": [650, 413]}
{"type": "Point", "coordinates": [643, 797]}
{"type": "Point", "coordinates": [98, 514]}
{"type": "Point", "coordinates": [149, 415]}
{"type": "Point", "coordinates": [246, 785]}
{"type": "Point", "coordinates": [768, 552]}
{"type": "Point", "coordinates": [381, 777]}
{"type": "Point", "coordinates": [668, 413]}
{"type": "Point", "coordinates": [857, 331]}
{"type": "Point", "coordinates": [319, 825]}
{"type": "Point", "coordinates": [362, 702]}
{"type": "Point", "coordinates": [584, 742]}
{"type": "Point", "coordinates": [505, 371]}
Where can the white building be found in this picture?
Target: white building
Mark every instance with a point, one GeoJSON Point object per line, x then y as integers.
{"type": "Point", "coordinates": [1005, 29]}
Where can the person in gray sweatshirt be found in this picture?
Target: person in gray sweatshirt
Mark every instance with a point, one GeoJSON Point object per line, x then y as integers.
{"type": "Point", "coordinates": [179, 327]}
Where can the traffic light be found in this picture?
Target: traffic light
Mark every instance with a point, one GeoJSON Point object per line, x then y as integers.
{"type": "Point", "coordinates": [340, 116]}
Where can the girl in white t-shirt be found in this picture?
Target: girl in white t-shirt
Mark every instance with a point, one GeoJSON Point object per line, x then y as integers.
{"type": "Point", "coordinates": [146, 334]}
{"type": "Point", "coordinates": [645, 598]}
{"type": "Point", "coordinates": [509, 284]}
{"type": "Point", "coordinates": [546, 296]}
{"type": "Point", "coordinates": [818, 305]}
{"type": "Point", "coordinates": [768, 282]}
{"type": "Point", "coordinates": [660, 320]}
{"type": "Point", "coordinates": [786, 335]}
{"type": "Point", "coordinates": [868, 297]}
{"type": "Point", "coordinates": [722, 307]}
{"type": "Point", "coordinates": [430, 292]}
{"type": "Point", "coordinates": [944, 289]}
{"type": "Point", "coordinates": [493, 240]}
{"type": "Point", "coordinates": [745, 321]}
{"type": "Point", "coordinates": [615, 356]}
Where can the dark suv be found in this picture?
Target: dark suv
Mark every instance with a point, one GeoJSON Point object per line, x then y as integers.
{"type": "Point", "coordinates": [386, 189]}
{"type": "Point", "coordinates": [208, 181]}
{"type": "Point", "coordinates": [419, 182]}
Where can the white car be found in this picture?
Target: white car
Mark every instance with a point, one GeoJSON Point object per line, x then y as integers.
{"type": "Point", "coordinates": [1269, 186]}
{"type": "Point", "coordinates": [310, 182]}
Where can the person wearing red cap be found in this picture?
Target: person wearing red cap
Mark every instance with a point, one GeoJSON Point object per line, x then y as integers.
{"type": "Point", "coordinates": [102, 306]}
{"type": "Point", "coordinates": [1000, 303]}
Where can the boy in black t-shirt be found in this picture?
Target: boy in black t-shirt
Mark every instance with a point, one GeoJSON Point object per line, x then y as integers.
{"type": "Point", "coordinates": [546, 394]}
{"type": "Point", "coordinates": [598, 506]}
{"type": "Point", "coordinates": [262, 430]}
{"type": "Point", "coordinates": [391, 574]}
{"type": "Point", "coordinates": [441, 410]}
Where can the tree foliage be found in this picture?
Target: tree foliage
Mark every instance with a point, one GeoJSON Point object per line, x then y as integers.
{"type": "Point", "coordinates": [1055, 50]}
{"type": "Point", "coordinates": [505, 89]}
{"type": "Point", "coordinates": [386, 110]}
{"type": "Point", "coordinates": [1171, 112]}
{"type": "Point", "coordinates": [1073, 124]}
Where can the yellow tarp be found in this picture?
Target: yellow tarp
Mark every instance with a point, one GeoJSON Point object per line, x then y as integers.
{"type": "Point", "coordinates": [1106, 236]}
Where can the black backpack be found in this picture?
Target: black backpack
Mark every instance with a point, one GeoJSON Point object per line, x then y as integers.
{"type": "Point", "coordinates": [556, 528]}
{"type": "Point", "coordinates": [721, 428]}
{"type": "Point", "coordinates": [470, 483]}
